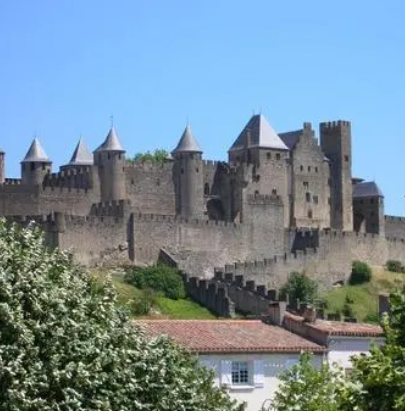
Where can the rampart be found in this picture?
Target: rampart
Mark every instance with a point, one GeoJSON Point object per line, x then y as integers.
{"type": "Point", "coordinates": [394, 226]}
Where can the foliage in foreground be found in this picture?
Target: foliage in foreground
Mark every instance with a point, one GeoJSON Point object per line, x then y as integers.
{"type": "Point", "coordinates": [299, 287]}
{"type": "Point", "coordinates": [64, 346]}
{"type": "Point", "coordinates": [307, 388]}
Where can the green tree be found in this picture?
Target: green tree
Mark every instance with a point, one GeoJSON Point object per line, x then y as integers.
{"type": "Point", "coordinates": [64, 346]}
{"type": "Point", "coordinates": [158, 156]}
{"type": "Point", "coordinates": [381, 375]}
{"type": "Point", "coordinates": [160, 278]}
{"type": "Point", "coordinates": [361, 273]}
{"type": "Point", "coordinates": [307, 388]}
{"type": "Point", "coordinates": [299, 287]}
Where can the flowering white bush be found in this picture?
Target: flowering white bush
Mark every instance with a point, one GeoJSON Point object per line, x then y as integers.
{"type": "Point", "coordinates": [65, 346]}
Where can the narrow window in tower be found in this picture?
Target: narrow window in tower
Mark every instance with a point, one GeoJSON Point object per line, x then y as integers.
{"type": "Point", "coordinates": [305, 184]}
{"type": "Point", "coordinates": [278, 156]}
{"type": "Point", "coordinates": [274, 192]}
{"type": "Point", "coordinates": [346, 158]}
{"type": "Point", "coordinates": [308, 197]}
{"type": "Point", "coordinates": [309, 168]}
{"type": "Point", "coordinates": [43, 166]}
{"type": "Point", "coordinates": [206, 189]}
{"type": "Point", "coordinates": [32, 166]}
{"type": "Point", "coordinates": [309, 213]}
{"type": "Point", "coordinates": [182, 171]}
{"type": "Point", "coordinates": [315, 199]}
{"type": "Point", "coordinates": [119, 156]}
{"type": "Point", "coordinates": [316, 169]}
{"type": "Point", "coordinates": [108, 155]}
{"type": "Point", "coordinates": [329, 182]}
{"type": "Point", "coordinates": [196, 170]}
{"type": "Point", "coordinates": [268, 156]}
{"type": "Point", "coordinates": [372, 201]}
{"type": "Point", "coordinates": [329, 202]}
{"type": "Point", "coordinates": [302, 168]}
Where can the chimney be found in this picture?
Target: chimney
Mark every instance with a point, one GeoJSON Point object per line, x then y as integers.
{"type": "Point", "coordinates": [383, 304]}
{"type": "Point", "coordinates": [309, 314]}
{"type": "Point", "coordinates": [276, 312]}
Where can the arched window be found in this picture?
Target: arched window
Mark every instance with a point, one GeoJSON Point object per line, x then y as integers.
{"type": "Point", "coordinates": [206, 189]}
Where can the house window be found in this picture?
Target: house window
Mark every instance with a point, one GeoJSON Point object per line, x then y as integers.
{"type": "Point", "coordinates": [278, 156]}
{"type": "Point", "coordinates": [240, 372]}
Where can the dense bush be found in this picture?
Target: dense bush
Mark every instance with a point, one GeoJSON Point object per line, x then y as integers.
{"type": "Point", "coordinates": [64, 346]}
{"type": "Point", "coordinates": [395, 266]}
{"type": "Point", "coordinates": [361, 273]}
{"type": "Point", "coordinates": [299, 287]}
{"type": "Point", "coordinates": [160, 278]}
{"type": "Point", "coordinates": [143, 302]}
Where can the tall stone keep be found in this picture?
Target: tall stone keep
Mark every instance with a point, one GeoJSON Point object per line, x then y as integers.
{"type": "Point", "coordinates": [110, 160]}
{"type": "Point", "coordinates": [36, 165]}
{"type": "Point", "coordinates": [336, 144]}
{"type": "Point", "coordinates": [2, 166]}
{"type": "Point", "coordinates": [188, 176]}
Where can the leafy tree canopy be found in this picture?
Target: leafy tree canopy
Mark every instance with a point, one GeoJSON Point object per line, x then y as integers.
{"type": "Point", "coordinates": [307, 388]}
{"type": "Point", "coordinates": [158, 156]}
{"type": "Point", "coordinates": [64, 346]}
{"type": "Point", "coordinates": [299, 287]}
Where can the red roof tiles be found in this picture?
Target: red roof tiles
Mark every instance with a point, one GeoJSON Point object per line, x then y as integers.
{"type": "Point", "coordinates": [203, 336]}
{"type": "Point", "coordinates": [340, 328]}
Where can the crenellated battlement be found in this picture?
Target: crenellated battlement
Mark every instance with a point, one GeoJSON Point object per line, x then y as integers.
{"type": "Point", "coordinates": [114, 208]}
{"type": "Point", "coordinates": [148, 165]}
{"type": "Point", "coordinates": [78, 177]}
{"type": "Point", "coordinates": [12, 181]}
{"type": "Point", "coordinates": [333, 125]}
{"type": "Point", "coordinates": [394, 219]}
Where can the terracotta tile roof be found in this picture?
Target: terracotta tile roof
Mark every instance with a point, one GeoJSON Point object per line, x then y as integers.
{"type": "Point", "coordinates": [340, 328]}
{"type": "Point", "coordinates": [202, 336]}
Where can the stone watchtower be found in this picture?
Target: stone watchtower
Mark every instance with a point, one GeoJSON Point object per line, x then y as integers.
{"type": "Point", "coordinates": [2, 166]}
{"type": "Point", "coordinates": [336, 143]}
{"type": "Point", "coordinates": [110, 160]}
{"type": "Point", "coordinates": [188, 176]}
{"type": "Point", "coordinates": [36, 165]}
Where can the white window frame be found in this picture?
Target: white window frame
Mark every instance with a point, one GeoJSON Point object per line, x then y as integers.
{"type": "Point", "coordinates": [240, 373]}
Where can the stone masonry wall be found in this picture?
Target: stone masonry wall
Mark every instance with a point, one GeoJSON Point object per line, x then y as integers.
{"type": "Point", "coordinates": [394, 226]}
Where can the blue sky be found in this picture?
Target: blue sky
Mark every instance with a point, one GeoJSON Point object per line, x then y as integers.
{"type": "Point", "coordinates": [66, 66]}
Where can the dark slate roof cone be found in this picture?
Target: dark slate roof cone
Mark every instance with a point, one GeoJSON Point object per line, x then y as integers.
{"type": "Point", "coordinates": [111, 143]}
{"type": "Point", "coordinates": [81, 156]}
{"type": "Point", "coordinates": [188, 143]}
{"type": "Point", "coordinates": [36, 153]}
{"type": "Point", "coordinates": [262, 135]}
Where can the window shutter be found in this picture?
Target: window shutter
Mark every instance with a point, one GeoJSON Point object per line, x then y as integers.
{"type": "Point", "coordinates": [258, 374]}
{"type": "Point", "coordinates": [226, 372]}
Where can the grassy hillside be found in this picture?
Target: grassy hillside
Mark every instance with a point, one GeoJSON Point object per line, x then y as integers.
{"type": "Point", "coordinates": [164, 307]}
{"type": "Point", "coordinates": [365, 296]}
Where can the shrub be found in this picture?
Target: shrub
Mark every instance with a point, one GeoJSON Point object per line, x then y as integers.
{"type": "Point", "coordinates": [143, 302]}
{"type": "Point", "coordinates": [299, 287]}
{"type": "Point", "coordinates": [395, 266]}
{"type": "Point", "coordinates": [361, 273]}
{"type": "Point", "coordinates": [160, 278]}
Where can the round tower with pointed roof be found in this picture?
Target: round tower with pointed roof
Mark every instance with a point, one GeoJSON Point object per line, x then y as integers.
{"type": "Point", "coordinates": [2, 166]}
{"type": "Point", "coordinates": [110, 160]}
{"type": "Point", "coordinates": [188, 175]}
{"type": "Point", "coordinates": [36, 165]}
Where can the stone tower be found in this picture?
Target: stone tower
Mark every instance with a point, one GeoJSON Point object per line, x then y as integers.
{"type": "Point", "coordinates": [336, 144]}
{"type": "Point", "coordinates": [36, 165]}
{"type": "Point", "coordinates": [2, 166]}
{"type": "Point", "coordinates": [188, 176]}
{"type": "Point", "coordinates": [110, 160]}
{"type": "Point", "coordinates": [264, 157]}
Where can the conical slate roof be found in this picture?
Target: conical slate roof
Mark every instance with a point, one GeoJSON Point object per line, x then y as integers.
{"type": "Point", "coordinates": [187, 143]}
{"type": "Point", "coordinates": [262, 135]}
{"type": "Point", "coordinates": [81, 156]}
{"type": "Point", "coordinates": [36, 153]}
{"type": "Point", "coordinates": [111, 143]}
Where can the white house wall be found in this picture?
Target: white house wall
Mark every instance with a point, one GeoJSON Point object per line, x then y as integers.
{"type": "Point", "coordinates": [263, 385]}
{"type": "Point", "coordinates": [341, 349]}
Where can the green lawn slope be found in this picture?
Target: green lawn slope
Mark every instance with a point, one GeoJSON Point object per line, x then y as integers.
{"type": "Point", "coordinates": [365, 296]}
